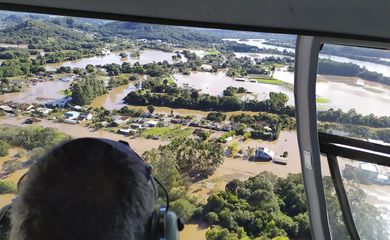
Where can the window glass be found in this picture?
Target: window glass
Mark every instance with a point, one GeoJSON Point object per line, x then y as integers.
{"type": "Point", "coordinates": [352, 94]}
{"type": "Point", "coordinates": [222, 99]}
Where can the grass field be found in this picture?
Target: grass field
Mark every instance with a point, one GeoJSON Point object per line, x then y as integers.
{"type": "Point", "coordinates": [172, 131]}
{"type": "Point", "coordinates": [269, 81]}
{"type": "Point", "coordinates": [322, 100]}
{"type": "Point", "coordinates": [66, 92]}
{"type": "Point", "coordinates": [212, 52]}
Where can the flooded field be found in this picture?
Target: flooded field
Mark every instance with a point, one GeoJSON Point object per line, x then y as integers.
{"type": "Point", "coordinates": [215, 83]}
{"type": "Point", "coordinates": [51, 90]}
{"type": "Point", "coordinates": [346, 93]}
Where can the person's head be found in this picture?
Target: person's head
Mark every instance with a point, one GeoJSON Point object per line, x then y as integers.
{"type": "Point", "coordinates": [84, 189]}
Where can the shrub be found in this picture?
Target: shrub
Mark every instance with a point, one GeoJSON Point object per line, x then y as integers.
{"type": "Point", "coordinates": [4, 146]}
{"type": "Point", "coordinates": [12, 165]}
{"type": "Point", "coordinates": [7, 187]}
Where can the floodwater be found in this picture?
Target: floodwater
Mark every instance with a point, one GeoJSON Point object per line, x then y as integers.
{"type": "Point", "coordinates": [146, 56]}
{"type": "Point", "coordinates": [243, 169]}
{"type": "Point", "coordinates": [258, 43]}
{"type": "Point", "coordinates": [113, 99]}
{"type": "Point", "coordinates": [7, 45]}
{"type": "Point", "coordinates": [256, 55]}
{"type": "Point", "coordinates": [348, 92]}
{"type": "Point", "coordinates": [215, 83]}
{"type": "Point", "coordinates": [50, 90]}
{"type": "Point", "coordinates": [193, 231]}
{"type": "Point", "coordinates": [373, 67]}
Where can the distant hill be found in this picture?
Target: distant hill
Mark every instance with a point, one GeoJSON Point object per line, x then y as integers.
{"type": "Point", "coordinates": [171, 34]}
{"type": "Point", "coordinates": [38, 32]}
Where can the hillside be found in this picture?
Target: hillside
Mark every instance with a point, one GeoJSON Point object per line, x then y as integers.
{"type": "Point", "coordinates": [46, 35]}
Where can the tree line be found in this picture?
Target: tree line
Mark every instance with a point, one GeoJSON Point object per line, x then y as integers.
{"type": "Point", "coordinates": [329, 67]}
{"type": "Point", "coordinates": [161, 93]}
{"type": "Point", "coordinates": [352, 117]}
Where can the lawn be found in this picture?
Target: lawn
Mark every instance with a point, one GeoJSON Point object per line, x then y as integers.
{"type": "Point", "coordinates": [158, 131]}
{"type": "Point", "coordinates": [172, 131]}
{"type": "Point", "coordinates": [322, 100]}
{"type": "Point", "coordinates": [66, 92]}
{"type": "Point", "coordinates": [212, 52]}
{"type": "Point", "coordinates": [269, 81]}
{"type": "Point", "coordinates": [170, 79]}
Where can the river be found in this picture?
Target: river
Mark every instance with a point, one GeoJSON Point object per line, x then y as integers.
{"type": "Point", "coordinates": [374, 67]}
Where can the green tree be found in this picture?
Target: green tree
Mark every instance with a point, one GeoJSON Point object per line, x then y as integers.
{"type": "Point", "coordinates": [7, 187]}
{"type": "Point", "coordinates": [150, 109]}
{"type": "Point", "coordinates": [183, 208]}
{"type": "Point", "coordinates": [4, 146]}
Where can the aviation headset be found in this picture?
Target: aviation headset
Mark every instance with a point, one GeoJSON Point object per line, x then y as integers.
{"type": "Point", "coordinates": [163, 225]}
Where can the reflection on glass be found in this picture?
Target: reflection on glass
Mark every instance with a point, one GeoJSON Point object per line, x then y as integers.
{"type": "Point", "coordinates": [368, 189]}
{"type": "Point", "coordinates": [353, 92]}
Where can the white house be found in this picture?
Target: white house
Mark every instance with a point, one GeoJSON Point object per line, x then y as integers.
{"type": "Point", "coordinates": [152, 123]}
{"type": "Point", "coordinates": [6, 108]}
{"type": "Point", "coordinates": [44, 110]}
{"type": "Point", "coordinates": [264, 154]}
{"type": "Point", "coordinates": [127, 131]}
{"type": "Point", "coordinates": [72, 115]}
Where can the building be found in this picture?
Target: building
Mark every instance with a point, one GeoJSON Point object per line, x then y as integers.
{"type": "Point", "coordinates": [264, 154]}
{"type": "Point", "coordinates": [367, 172]}
{"type": "Point", "coordinates": [118, 120]}
{"type": "Point", "coordinates": [151, 123]}
{"type": "Point", "coordinates": [127, 131]}
{"type": "Point", "coordinates": [7, 109]}
{"type": "Point", "coordinates": [85, 116]}
{"type": "Point", "coordinates": [44, 110]}
{"type": "Point", "coordinates": [77, 108]}
{"type": "Point", "coordinates": [72, 115]}
{"type": "Point", "coordinates": [136, 126]}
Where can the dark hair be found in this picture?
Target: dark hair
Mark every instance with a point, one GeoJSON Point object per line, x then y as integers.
{"type": "Point", "coordinates": [84, 189]}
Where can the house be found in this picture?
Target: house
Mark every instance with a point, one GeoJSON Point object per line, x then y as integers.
{"type": "Point", "coordinates": [176, 121]}
{"type": "Point", "coordinates": [120, 119]}
{"type": "Point", "coordinates": [382, 180]}
{"type": "Point", "coordinates": [85, 116]}
{"type": "Point", "coordinates": [25, 107]}
{"type": "Point", "coordinates": [186, 122]}
{"type": "Point", "coordinates": [367, 172]}
{"type": "Point", "coordinates": [136, 126]}
{"type": "Point", "coordinates": [44, 110]}
{"type": "Point", "coordinates": [6, 108]}
{"type": "Point", "coordinates": [151, 123]}
{"type": "Point", "coordinates": [127, 131]}
{"type": "Point", "coordinates": [77, 108]}
{"type": "Point", "coordinates": [72, 115]}
{"type": "Point", "coordinates": [135, 120]}
{"type": "Point", "coordinates": [195, 124]}
{"type": "Point", "coordinates": [264, 154]}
